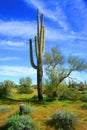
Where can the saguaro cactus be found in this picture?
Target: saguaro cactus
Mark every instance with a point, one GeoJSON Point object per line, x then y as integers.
{"type": "Point", "coordinates": [39, 49]}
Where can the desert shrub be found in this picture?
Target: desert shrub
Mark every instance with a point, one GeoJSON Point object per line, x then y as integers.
{"type": "Point", "coordinates": [34, 98]}
{"type": "Point", "coordinates": [3, 109]}
{"type": "Point", "coordinates": [25, 89]}
{"type": "Point", "coordinates": [50, 91]}
{"type": "Point", "coordinates": [84, 98]}
{"type": "Point", "coordinates": [60, 129]}
{"type": "Point", "coordinates": [81, 86]}
{"type": "Point", "coordinates": [26, 110]}
{"type": "Point", "coordinates": [84, 92]}
{"type": "Point", "coordinates": [84, 106]}
{"type": "Point", "coordinates": [63, 120]}
{"type": "Point", "coordinates": [25, 85]}
{"type": "Point", "coordinates": [72, 84]}
{"type": "Point", "coordinates": [62, 92]}
{"type": "Point", "coordinates": [4, 91]}
{"type": "Point", "coordinates": [5, 88]}
{"type": "Point", "coordinates": [22, 122]}
{"type": "Point", "coordinates": [65, 93]}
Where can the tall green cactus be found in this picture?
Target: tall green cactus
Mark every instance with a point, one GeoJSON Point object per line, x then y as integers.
{"type": "Point", "coordinates": [39, 49]}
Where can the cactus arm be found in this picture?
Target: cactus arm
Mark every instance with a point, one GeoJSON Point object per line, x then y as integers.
{"type": "Point", "coordinates": [38, 24]}
{"type": "Point", "coordinates": [36, 47]}
{"type": "Point", "coordinates": [31, 56]}
{"type": "Point", "coordinates": [43, 45]}
{"type": "Point", "coordinates": [42, 36]}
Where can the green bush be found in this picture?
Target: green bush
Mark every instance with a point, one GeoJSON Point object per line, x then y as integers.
{"type": "Point", "coordinates": [22, 122]}
{"type": "Point", "coordinates": [3, 109]}
{"type": "Point", "coordinates": [4, 91]}
{"type": "Point", "coordinates": [5, 88]}
{"type": "Point", "coordinates": [26, 110]}
{"type": "Point", "coordinates": [65, 93]}
{"type": "Point", "coordinates": [50, 91]}
{"type": "Point", "coordinates": [24, 89]}
{"type": "Point", "coordinates": [60, 129]}
{"type": "Point", "coordinates": [25, 85]}
{"type": "Point", "coordinates": [84, 106]}
{"type": "Point", "coordinates": [84, 98]}
{"type": "Point", "coordinates": [63, 120]}
{"type": "Point", "coordinates": [34, 98]}
{"type": "Point", "coordinates": [62, 92]}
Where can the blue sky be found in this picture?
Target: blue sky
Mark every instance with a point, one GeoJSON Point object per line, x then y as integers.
{"type": "Point", "coordinates": [65, 27]}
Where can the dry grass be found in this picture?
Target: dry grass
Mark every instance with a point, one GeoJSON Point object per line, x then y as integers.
{"type": "Point", "coordinates": [4, 115]}
{"type": "Point", "coordinates": [42, 112]}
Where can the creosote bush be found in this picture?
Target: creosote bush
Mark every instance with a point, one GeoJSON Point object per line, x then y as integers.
{"type": "Point", "coordinates": [63, 120]}
{"type": "Point", "coordinates": [23, 122]}
{"type": "Point", "coordinates": [84, 106]}
{"type": "Point", "coordinates": [84, 98]}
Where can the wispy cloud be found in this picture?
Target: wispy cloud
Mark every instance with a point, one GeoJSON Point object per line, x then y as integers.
{"type": "Point", "coordinates": [56, 14]}
{"type": "Point", "coordinates": [12, 43]}
{"type": "Point", "coordinates": [9, 58]}
{"type": "Point", "coordinates": [66, 13]}
{"type": "Point", "coordinates": [53, 34]}
{"type": "Point", "coordinates": [16, 71]}
{"type": "Point", "coordinates": [23, 29]}
{"type": "Point", "coordinates": [28, 29]}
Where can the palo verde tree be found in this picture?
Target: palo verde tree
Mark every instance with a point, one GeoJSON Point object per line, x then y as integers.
{"type": "Point", "coordinates": [39, 48]}
{"type": "Point", "coordinates": [56, 69]}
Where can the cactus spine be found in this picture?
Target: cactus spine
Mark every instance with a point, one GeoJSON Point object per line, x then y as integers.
{"type": "Point", "coordinates": [39, 49]}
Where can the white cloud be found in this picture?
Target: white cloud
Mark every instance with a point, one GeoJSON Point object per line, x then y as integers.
{"type": "Point", "coordinates": [36, 3]}
{"type": "Point", "coordinates": [28, 29]}
{"type": "Point", "coordinates": [12, 43]}
{"type": "Point", "coordinates": [16, 71]}
{"type": "Point", "coordinates": [56, 15]}
{"type": "Point", "coordinates": [9, 58]}
{"type": "Point", "coordinates": [53, 34]}
{"type": "Point", "coordinates": [23, 29]}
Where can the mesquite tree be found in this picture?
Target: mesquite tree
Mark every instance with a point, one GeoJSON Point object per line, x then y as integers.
{"type": "Point", "coordinates": [39, 49]}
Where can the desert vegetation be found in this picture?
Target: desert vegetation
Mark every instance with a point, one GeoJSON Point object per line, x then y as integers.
{"type": "Point", "coordinates": [64, 104]}
{"type": "Point", "coordinates": [66, 111]}
{"type": "Point", "coordinates": [52, 104]}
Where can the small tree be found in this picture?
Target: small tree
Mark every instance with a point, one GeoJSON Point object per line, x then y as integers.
{"type": "Point", "coordinates": [25, 84]}
{"type": "Point", "coordinates": [25, 81]}
{"type": "Point", "coordinates": [5, 87]}
{"type": "Point", "coordinates": [55, 67]}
